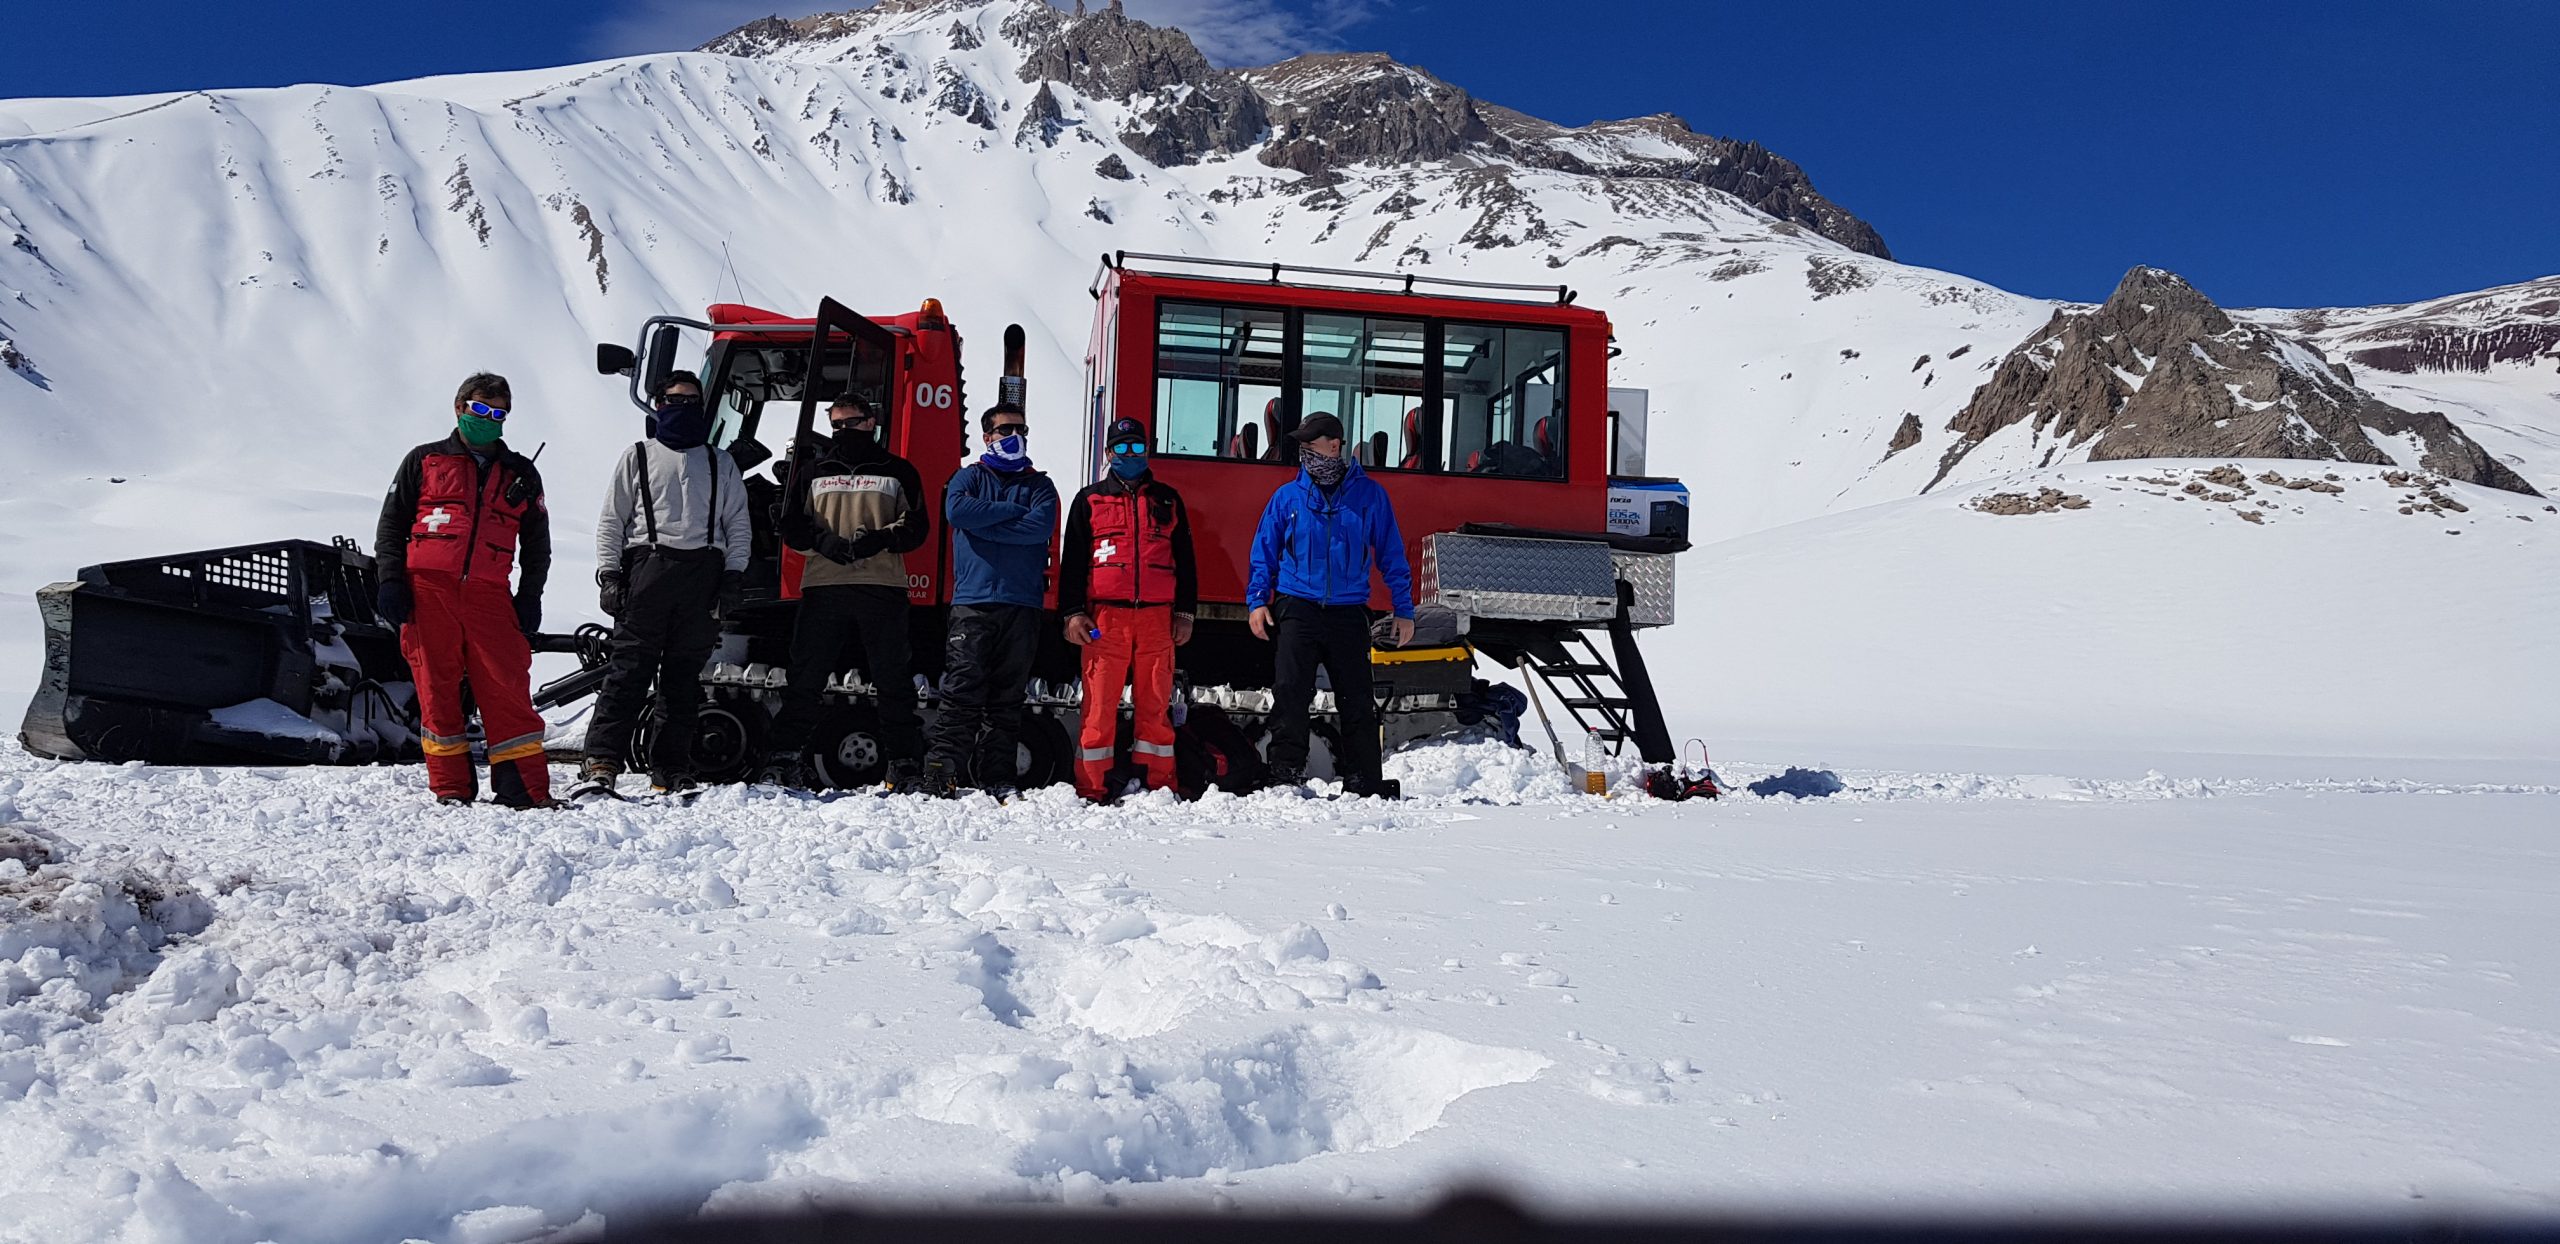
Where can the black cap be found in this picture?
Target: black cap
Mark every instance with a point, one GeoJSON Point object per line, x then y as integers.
{"type": "Point", "coordinates": [1316, 427]}
{"type": "Point", "coordinates": [1125, 430]}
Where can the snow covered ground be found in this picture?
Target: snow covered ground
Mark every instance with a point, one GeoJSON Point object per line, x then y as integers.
{"type": "Point", "coordinates": [301, 1005]}
{"type": "Point", "coordinates": [2331, 613]}
{"type": "Point", "coordinates": [339, 1014]}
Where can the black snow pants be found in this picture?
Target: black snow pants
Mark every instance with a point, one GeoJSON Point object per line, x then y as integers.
{"type": "Point", "coordinates": [986, 668]}
{"type": "Point", "coordinates": [830, 615]}
{"type": "Point", "coordinates": [665, 633]}
{"type": "Point", "coordinates": [1304, 636]}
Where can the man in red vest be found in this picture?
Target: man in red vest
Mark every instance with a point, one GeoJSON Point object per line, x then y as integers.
{"type": "Point", "coordinates": [460, 513]}
{"type": "Point", "coordinates": [1129, 588]}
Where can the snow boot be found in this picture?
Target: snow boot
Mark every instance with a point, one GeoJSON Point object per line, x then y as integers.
{"type": "Point", "coordinates": [937, 781]}
{"type": "Point", "coordinates": [1283, 778]}
{"type": "Point", "coordinates": [905, 777]}
{"type": "Point", "coordinates": [671, 782]}
{"type": "Point", "coordinates": [1382, 788]}
{"type": "Point", "coordinates": [596, 778]}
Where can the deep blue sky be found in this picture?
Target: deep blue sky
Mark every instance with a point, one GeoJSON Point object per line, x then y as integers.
{"type": "Point", "coordinates": [2292, 154]}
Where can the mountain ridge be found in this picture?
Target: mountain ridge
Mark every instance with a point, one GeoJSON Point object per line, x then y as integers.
{"type": "Point", "coordinates": [1318, 113]}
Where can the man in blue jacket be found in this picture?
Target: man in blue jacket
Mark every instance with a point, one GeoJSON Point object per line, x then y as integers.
{"type": "Point", "coordinates": [1004, 520]}
{"type": "Point", "coordinates": [1319, 538]}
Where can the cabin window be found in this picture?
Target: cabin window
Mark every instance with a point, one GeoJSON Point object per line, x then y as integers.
{"type": "Point", "coordinates": [1369, 374]}
{"type": "Point", "coordinates": [1412, 394]}
{"type": "Point", "coordinates": [1501, 401]}
{"type": "Point", "coordinates": [1218, 380]}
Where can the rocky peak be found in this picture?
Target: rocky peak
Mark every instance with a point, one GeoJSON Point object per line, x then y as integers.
{"type": "Point", "coordinates": [1319, 113]}
{"type": "Point", "coordinates": [1110, 55]}
{"type": "Point", "coordinates": [2160, 371]}
{"type": "Point", "coordinates": [1332, 110]}
{"type": "Point", "coordinates": [2158, 305]}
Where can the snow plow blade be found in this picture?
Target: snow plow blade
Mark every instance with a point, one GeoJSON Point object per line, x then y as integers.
{"type": "Point", "coordinates": [264, 653]}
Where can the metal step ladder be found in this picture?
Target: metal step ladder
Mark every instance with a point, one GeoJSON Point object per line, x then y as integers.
{"type": "Point", "coordinates": [1590, 690]}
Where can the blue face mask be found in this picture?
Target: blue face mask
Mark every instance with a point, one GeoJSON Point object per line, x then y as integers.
{"type": "Point", "coordinates": [1011, 448]}
{"type": "Point", "coordinates": [1128, 466]}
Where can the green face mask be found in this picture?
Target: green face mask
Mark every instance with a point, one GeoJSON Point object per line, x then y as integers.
{"type": "Point", "coordinates": [480, 433]}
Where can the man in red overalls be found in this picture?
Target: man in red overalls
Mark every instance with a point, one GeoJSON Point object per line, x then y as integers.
{"type": "Point", "coordinates": [1128, 586]}
{"type": "Point", "coordinates": [457, 515]}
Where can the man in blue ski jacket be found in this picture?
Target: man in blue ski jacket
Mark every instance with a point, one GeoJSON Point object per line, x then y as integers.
{"type": "Point", "coordinates": [1003, 514]}
{"type": "Point", "coordinates": [1320, 536]}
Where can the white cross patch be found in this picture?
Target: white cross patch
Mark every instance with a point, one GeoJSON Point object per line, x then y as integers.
{"type": "Point", "coordinates": [1102, 552]}
{"type": "Point", "coordinates": [435, 522]}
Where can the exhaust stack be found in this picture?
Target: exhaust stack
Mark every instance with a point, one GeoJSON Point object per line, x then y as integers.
{"type": "Point", "coordinates": [1009, 387]}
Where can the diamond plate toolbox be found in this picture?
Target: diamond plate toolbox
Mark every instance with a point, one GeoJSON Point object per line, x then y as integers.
{"type": "Point", "coordinates": [1650, 575]}
{"type": "Point", "coordinates": [1520, 578]}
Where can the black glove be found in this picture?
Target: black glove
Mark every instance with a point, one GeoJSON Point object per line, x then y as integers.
{"type": "Point", "coordinates": [528, 612]}
{"type": "Point", "coordinates": [733, 592]}
{"type": "Point", "coordinates": [836, 549]}
{"type": "Point", "coordinates": [609, 592]}
{"type": "Point", "coordinates": [869, 544]}
{"type": "Point", "coordinates": [393, 603]}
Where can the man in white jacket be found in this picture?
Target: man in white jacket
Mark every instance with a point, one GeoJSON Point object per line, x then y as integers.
{"type": "Point", "coordinates": [671, 556]}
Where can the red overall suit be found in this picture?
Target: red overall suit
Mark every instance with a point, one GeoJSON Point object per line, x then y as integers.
{"type": "Point", "coordinates": [1126, 564]}
{"type": "Point", "coordinates": [451, 528]}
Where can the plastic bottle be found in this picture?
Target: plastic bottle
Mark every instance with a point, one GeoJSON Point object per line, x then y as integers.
{"type": "Point", "coordinates": [1595, 777]}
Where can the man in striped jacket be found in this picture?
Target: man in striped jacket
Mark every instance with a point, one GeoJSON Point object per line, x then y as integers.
{"type": "Point", "coordinates": [857, 511]}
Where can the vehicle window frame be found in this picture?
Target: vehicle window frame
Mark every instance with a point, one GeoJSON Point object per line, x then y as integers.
{"type": "Point", "coordinates": [1293, 384]}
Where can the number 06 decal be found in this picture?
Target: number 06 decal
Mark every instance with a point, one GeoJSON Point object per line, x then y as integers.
{"type": "Point", "coordinates": [933, 396]}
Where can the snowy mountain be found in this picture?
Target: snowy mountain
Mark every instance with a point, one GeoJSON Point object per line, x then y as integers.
{"type": "Point", "coordinates": [227, 312]}
{"type": "Point", "coordinates": [2490, 359]}
{"type": "Point", "coordinates": [2159, 371]}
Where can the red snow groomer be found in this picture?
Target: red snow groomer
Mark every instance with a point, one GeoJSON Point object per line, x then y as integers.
{"type": "Point", "coordinates": [1484, 410]}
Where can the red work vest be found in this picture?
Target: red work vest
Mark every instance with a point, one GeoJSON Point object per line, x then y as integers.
{"type": "Point", "coordinates": [1132, 547]}
{"type": "Point", "coordinates": [464, 524]}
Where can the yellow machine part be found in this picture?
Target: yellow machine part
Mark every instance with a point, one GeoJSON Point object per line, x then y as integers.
{"type": "Point", "coordinates": [1408, 656]}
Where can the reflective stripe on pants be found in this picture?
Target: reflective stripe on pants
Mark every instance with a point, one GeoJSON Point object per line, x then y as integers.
{"type": "Point", "coordinates": [466, 629]}
{"type": "Point", "coordinates": [1135, 650]}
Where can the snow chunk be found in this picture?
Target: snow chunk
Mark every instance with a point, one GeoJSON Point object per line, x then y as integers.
{"type": "Point", "coordinates": [189, 987]}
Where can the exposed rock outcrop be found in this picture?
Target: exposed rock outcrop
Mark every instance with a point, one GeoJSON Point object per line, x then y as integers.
{"type": "Point", "coordinates": [2470, 332]}
{"type": "Point", "coordinates": [1905, 435]}
{"type": "Point", "coordinates": [1314, 114]}
{"type": "Point", "coordinates": [1042, 121]}
{"type": "Point", "coordinates": [2159, 371]}
{"type": "Point", "coordinates": [1331, 110]}
{"type": "Point", "coordinates": [1184, 108]}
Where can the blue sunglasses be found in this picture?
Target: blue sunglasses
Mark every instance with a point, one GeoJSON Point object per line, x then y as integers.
{"type": "Point", "coordinates": [493, 414]}
{"type": "Point", "coordinates": [1130, 449]}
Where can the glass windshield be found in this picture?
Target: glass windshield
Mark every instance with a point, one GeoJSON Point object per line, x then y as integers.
{"type": "Point", "coordinates": [765, 384]}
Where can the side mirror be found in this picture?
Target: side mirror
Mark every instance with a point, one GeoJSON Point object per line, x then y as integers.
{"type": "Point", "coordinates": [663, 341]}
{"type": "Point", "coordinates": [748, 453]}
{"type": "Point", "coordinates": [614, 360]}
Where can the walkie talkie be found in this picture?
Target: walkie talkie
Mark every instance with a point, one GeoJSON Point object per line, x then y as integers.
{"type": "Point", "coordinates": [520, 489]}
